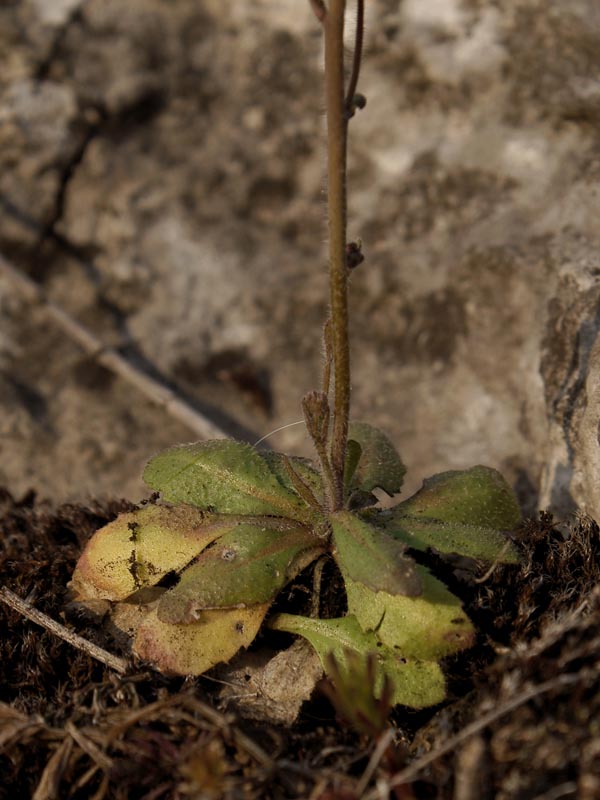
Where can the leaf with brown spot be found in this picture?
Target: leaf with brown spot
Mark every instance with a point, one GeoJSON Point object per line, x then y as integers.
{"type": "Point", "coordinates": [141, 547]}
{"type": "Point", "coordinates": [416, 683]}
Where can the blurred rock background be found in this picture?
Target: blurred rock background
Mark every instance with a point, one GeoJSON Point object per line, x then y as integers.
{"type": "Point", "coordinates": [161, 176]}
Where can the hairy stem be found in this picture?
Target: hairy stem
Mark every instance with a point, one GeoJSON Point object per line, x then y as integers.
{"type": "Point", "coordinates": [337, 130]}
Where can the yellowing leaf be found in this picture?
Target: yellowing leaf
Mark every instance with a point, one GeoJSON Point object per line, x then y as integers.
{"type": "Point", "coordinates": [192, 649]}
{"type": "Point", "coordinates": [375, 559]}
{"type": "Point", "coordinates": [431, 626]}
{"type": "Point", "coordinates": [379, 464]}
{"type": "Point", "coordinates": [249, 565]}
{"type": "Point", "coordinates": [141, 547]}
{"type": "Point", "coordinates": [416, 683]}
{"type": "Point", "coordinates": [223, 475]}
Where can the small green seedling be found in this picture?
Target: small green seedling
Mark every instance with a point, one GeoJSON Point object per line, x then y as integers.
{"type": "Point", "coordinates": [234, 526]}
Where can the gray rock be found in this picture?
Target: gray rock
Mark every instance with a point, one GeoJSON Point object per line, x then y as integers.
{"type": "Point", "coordinates": [178, 148]}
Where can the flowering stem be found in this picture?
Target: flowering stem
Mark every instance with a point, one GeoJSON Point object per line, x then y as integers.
{"type": "Point", "coordinates": [337, 131]}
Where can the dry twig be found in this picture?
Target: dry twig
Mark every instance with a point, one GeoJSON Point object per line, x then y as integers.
{"type": "Point", "coordinates": [111, 359]}
{"type": "Point", "coordinates": [27, 610]}
{"type": "Point", "coordinates": [410, 773]}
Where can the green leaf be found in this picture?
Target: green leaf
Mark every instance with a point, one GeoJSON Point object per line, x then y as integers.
{"type": "Point", "coordinates": [459, 512]}
{"type": "Point", "coordinates": [141, 547]}
{"type": "Point", "coordinates": [379, 465]}
{"type": "Point", "coordinates": [353, 454]}
{"type": "Point", "coordinates": [428, 627]}
{"type": "Point", "coordinates": [302, 466]}
{"type": "Point", "coordinates": [476, 496]}
{"type": "Point", "coordinates": [247, 566]}
{"type": "Point", "coordinates": [467, 540]}
{"type": "Point", "coordinates": [192, 649]}
{"type": "Point", "coordinates": [229, 477]}
{"type": "Point", "coordinates": [377, 560]}
{"type": "Point", "coordinates": [415, 683]}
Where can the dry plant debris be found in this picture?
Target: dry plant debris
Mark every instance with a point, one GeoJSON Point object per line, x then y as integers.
{"type": "Point", "coordinates": [526, 723]}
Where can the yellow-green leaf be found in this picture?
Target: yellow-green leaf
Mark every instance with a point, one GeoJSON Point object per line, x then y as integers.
{"type": "Point", "coordinates": [247, 566]}
{"type": "Point", "coordinates": [141, 547]}
{"type": "Point", "coordinates": [428, 627]}
{"type": "Point", "coordinates": [192, 649]}
{"type": "Point", "coordinates": [370, 556]}
{"type": "Point", "coordinates": [223, 475]}
{"type": "Point", "coordinates": [416, 683]}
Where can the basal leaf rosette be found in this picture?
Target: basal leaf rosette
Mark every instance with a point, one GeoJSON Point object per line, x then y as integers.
{"type": "Point", "coordinates": [230, 532]}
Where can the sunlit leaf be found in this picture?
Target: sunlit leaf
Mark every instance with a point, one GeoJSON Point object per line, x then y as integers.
{"type": "Point", "coordinates": [459, 512]}
{"type": "Point", "coordinates": [377, 560]}
{"type": "Point", "coordinates": [416, 683]}
{"type": "Point", "coordinates": [226, 476]}
{"type": "Point", "coordinates": [141, 547]}
{"type": "Point", "coordinates": [192, 649]}
{"type": "Point", "coordinates": [379, 464]}
{"type": "Point", "coordinates": [476, 496]}
{"type": "Point", "coordinates": [431, 626]}
{"type": "Point", "coordinates": [247, 566]}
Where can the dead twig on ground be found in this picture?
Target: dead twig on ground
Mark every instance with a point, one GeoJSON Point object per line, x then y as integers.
{"type": "Point", "coordinates": [54, 627]}
{"type": "Point", "coordinates": [110, 359]}
{"type": "Point", "coordinates": [410, 773]}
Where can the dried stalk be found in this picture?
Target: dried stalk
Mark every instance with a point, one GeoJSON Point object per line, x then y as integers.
{"type": "Point", "coordinates": [110, 358]}
{"type": "Point", "coordinates": [31, 613]}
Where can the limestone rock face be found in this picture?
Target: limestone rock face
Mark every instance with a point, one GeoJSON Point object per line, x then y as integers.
{"type": "Point", "coordinates": [161, 174]}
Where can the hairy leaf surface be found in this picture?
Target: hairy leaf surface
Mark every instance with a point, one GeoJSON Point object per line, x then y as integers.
{"type": "Point", "coordinates": [476, 496]}
{"type": "Point", "coordinates": [226, 476]}
{"type": "Point", "coordinates": [459, 512]}
{"type": "Point", "coordinates": [247, 566]}
{"type": "Point", "coordinates": [416, 683]}
{"type": "Point", "coordinates": [377, 560]}
{"type": "Point", "coordinates": [379, 464]}
{"type": "Point", "coordinates": [428, 627]}
{"type": "Point", "coordinates": [473, 541]}
{"type": "Point", "coordinates": [141, 547]}
{"type": "Point", "coordinates": [302, 467]}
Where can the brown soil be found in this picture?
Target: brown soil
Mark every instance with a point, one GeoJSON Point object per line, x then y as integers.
{"type": "Point", "coordinates": [521, 721]}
